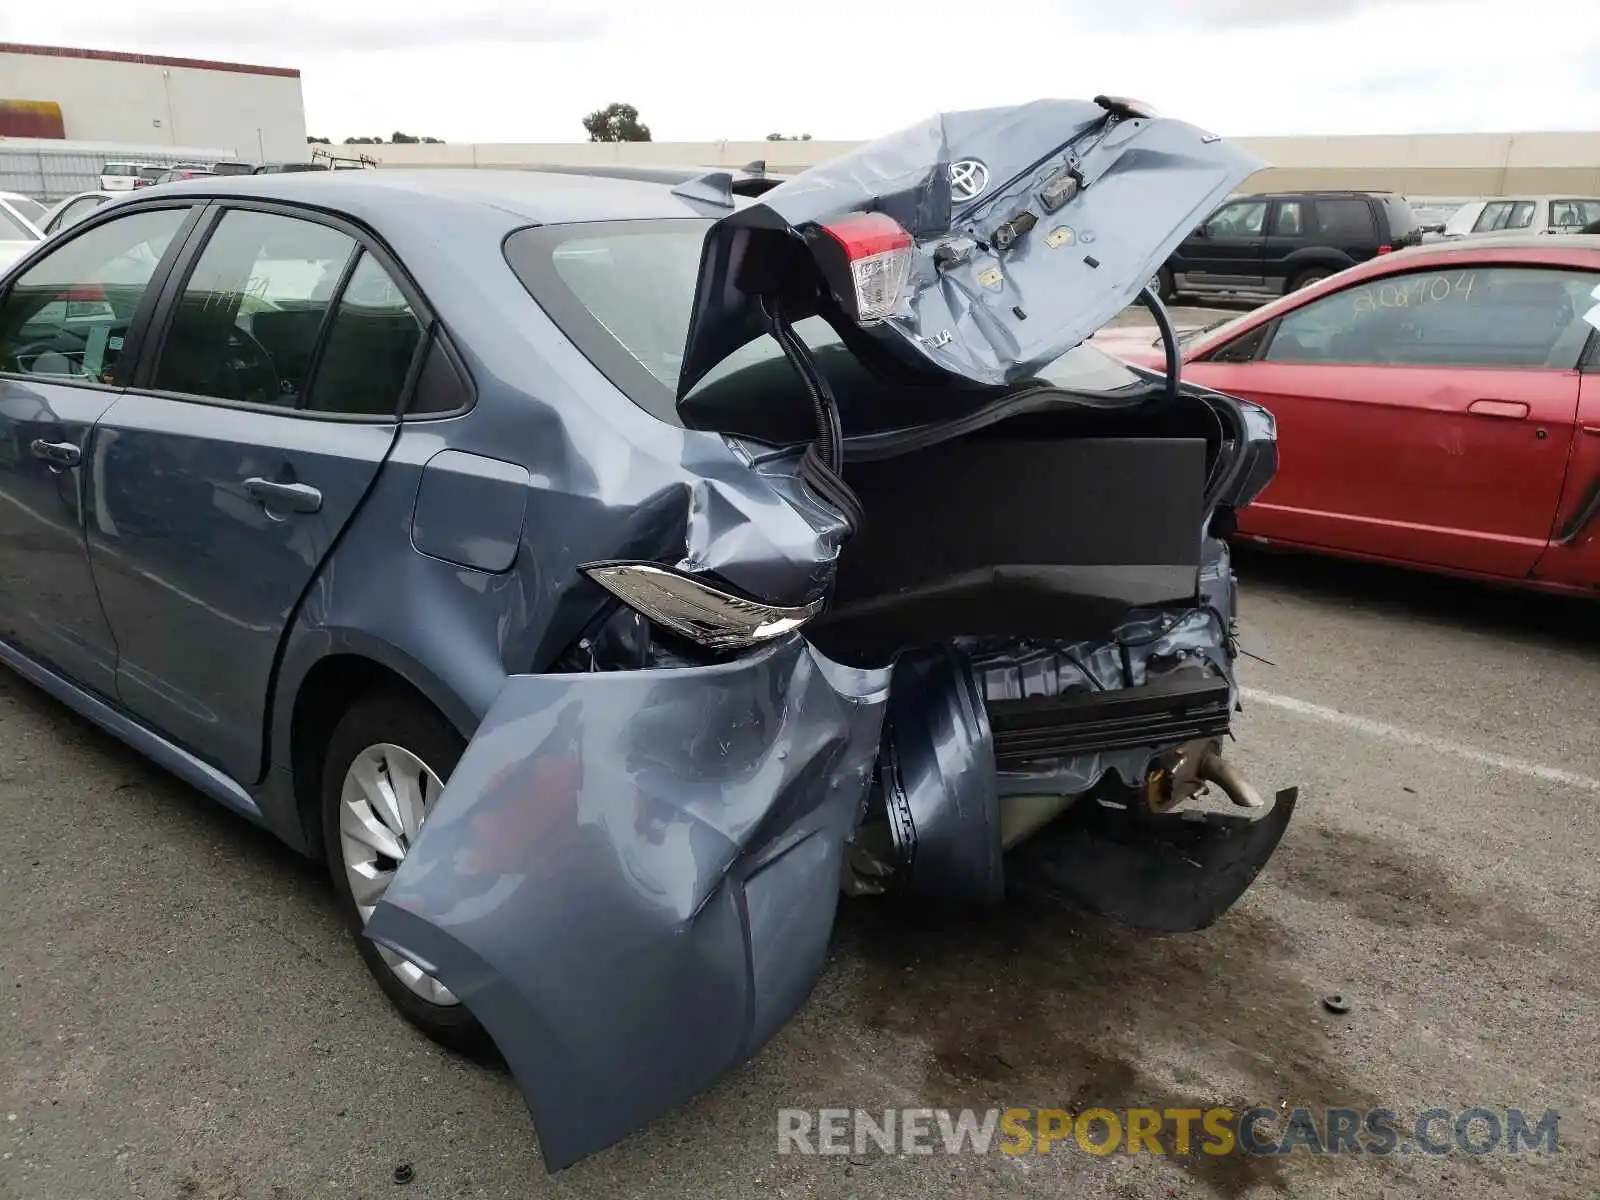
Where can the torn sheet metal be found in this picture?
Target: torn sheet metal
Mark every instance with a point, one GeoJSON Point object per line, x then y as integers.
{"type": "Point", "coordinates": [631, 877]}
{"type": "Point", "coordinates": [1032, 226]}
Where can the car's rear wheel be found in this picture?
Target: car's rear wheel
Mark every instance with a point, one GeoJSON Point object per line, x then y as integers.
{"type": "Point", "coordinates": [385, 766]}
{"type": "Point", "coordinates": [1309, 276]}
{"type": "Point", "coordinates": [1161, 284]}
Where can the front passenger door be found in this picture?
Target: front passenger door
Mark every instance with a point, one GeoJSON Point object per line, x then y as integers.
{"type": "Point", "coordinates": [1227, 251]}
{"type": "Point", "coordinates": [66, 325]}
{"type": "Point", "coordinates": [226, 473]}
{"type": "Point", "coordinates": [1425, 417]}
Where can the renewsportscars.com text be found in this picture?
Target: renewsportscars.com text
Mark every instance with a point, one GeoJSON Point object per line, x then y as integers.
{"type": "Point", "coordinates": [1216, 1131]}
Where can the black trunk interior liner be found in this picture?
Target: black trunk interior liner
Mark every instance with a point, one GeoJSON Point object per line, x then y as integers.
{"type": "Point", "coordinates": [1163, 712]}
{"type": "Point", "coordinates": [990, 535]}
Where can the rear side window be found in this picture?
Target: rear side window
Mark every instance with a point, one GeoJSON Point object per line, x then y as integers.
{"type": "Point", "coordinates": [1504, 215]}
{"type": "Point", "coordinates": [1570, 216]}
{"type": "Point", "coordinates": [1289, 219]}
{"type": "Point", "coordinates": [370, 348]}
{"type": "Point", "coordinates": [1347, 220]}
{"type": "Point", "coordinates": [67, 316]}
{"type": "Point", "coordinates": [1402, 218]}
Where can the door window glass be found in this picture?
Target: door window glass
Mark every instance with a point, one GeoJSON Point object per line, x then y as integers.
{"type": "Point", "coordinates": [1476, 317]}
{"type": "Point", "coordinates": [372, 342]}
{"type": "Point", "coordinates": [1289, 221]}
{"type": "Point", "coordinates": [246, 324]}
{"type": "Point", "coordinates": [1242, 218]}
{"type": "Point", "coordinates": [68, 315]}
{"type": "Point", "coordinates": [1570, 216]}
{"type": "Point", "coordinates": [1347, 219]}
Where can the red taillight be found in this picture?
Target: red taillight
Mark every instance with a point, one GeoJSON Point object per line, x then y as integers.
{"type": "Point", "coordinates": [865, 234]}
{"type": "Point", "coordinates": [91, 291]}
{"type": "Point", "coordinates": [879, 253]}
{"type": "Point", "coordinates": [1385, 249]}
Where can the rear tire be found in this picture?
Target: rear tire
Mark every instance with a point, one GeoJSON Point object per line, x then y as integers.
{"type": "Point", "coordinates": [1309, 276]}
{"type": "Point", "coordinates": [390, 733]}
{"type": "Point", "coordinates": [1161, 281]}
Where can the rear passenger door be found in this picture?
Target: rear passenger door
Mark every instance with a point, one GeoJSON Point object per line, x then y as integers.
{"type": "Point", "coordinates": [280, 356]}
{"type": "Point", "coordinates": [1287, 225]}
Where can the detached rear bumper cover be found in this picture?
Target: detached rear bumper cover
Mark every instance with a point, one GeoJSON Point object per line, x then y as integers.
{"type": "Point", "coordinates": [631, 877]}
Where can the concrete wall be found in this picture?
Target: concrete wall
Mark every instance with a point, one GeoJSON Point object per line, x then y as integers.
{"type": "Point", "coordinates": [109, 99]}
{"type": "Point", "coordinates": [1422, 164]}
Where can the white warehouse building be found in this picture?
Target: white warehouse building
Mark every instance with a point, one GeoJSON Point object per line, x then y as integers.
{"type": "Point", "coordinates": [151, 102]}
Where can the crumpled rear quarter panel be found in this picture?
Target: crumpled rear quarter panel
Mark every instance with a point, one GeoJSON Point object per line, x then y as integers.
{"type": "Point", "coordinates": [631, 877]}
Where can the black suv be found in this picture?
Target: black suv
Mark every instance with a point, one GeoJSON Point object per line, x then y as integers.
{"type": "Point", "coordinates": [1272, 244]}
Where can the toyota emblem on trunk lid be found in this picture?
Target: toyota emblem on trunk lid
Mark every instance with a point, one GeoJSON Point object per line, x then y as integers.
{"type": "Point", "coordinates": [969, 178]}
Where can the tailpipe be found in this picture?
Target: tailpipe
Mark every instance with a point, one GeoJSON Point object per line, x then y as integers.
{"type": "Point", "coordinates": [1213, 768]}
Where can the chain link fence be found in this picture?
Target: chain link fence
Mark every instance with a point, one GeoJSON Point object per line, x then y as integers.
{"type": "Point", "coordinates": [48, 175]}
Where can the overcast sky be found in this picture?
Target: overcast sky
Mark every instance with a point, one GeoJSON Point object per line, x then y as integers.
{"type": "Point", "coordinates": [700, 70]}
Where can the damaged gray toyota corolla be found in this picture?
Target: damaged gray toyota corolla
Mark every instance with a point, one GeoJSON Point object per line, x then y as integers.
{"type": "Point", "coordinates": [711, 551]}
{"type": "Point", "coordinates": [939, 607]}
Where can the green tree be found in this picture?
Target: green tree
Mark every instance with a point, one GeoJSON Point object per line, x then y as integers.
{"type": "Point", "coordinates": [316, 141]}
{"type": "Point", "coordinates": [784, 137]}
{"type": "Point", "coordinates": [616, 123]}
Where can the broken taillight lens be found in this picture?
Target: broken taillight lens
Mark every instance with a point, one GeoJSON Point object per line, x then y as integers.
{"type": "Point", "coordinates": [878, 252]}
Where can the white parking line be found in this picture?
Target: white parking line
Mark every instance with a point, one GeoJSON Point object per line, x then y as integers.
{"type": "Point", "coordinates": [1410, 737]}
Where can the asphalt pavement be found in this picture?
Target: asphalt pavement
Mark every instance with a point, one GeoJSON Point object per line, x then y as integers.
{"type": "Point", "coordinates": [184, 1019]}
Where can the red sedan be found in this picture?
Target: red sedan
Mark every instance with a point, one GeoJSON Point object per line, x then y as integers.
{"type": "Point", "coordinates": [1437, 408]}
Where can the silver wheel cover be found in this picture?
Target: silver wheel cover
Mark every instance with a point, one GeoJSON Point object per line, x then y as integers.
{"type": "Point", "coordinates": [386, 796]}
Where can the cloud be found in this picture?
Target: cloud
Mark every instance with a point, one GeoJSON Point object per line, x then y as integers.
{"type": "Point", "coordinates": [1233, 14]}
{"type": "Point", "coordinates": [285, 29]}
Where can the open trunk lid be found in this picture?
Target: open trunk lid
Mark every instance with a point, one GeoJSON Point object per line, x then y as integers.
{"type": "Point", "coordinates": [981, 244]}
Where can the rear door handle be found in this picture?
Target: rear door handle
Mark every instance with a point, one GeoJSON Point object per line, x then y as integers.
{"type": "Point", "coordinates": [57, 454]}
{"type": "Point", "coordinates": [284, 497]}
{"type": "Point", "coordinates": [1511, 410]}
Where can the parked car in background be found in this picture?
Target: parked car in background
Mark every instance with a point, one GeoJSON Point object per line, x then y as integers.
{"type": "Point", "coordinates": [73, 209]}
{"type": "Point", "coordinates": [1438, 408]}
{"type": "Point", "coordinates": [1432, 211]}
{"type": "Point", "coordinates": [1541, 215]}
{"type": "Point", "coordinates": [232, 168]}
{"type": "Point", "coordinates": [26, 207]}
{"type": "Point", "coordinates": [125, 176]}
{"type": "Point", "coordinates": [148, 175]}
{"type": "Point", "coordinates": [179, 174]}
{"type": "Point", "coordinates": [18, 234]}
{"type": "Point", "coordinates": [445, 525]}
{"type": "Point", "coordinates": [1267, 245]}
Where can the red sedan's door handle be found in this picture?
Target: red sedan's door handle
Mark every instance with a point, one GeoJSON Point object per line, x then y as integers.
{"type": "Point", "coordinates": [1512, 410]}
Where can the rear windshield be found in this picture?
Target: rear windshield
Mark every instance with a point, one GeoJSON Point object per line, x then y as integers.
{"type": "Point", "coordinates": [13, 230]}
{"type": "Point", "coordinates": [1402, 218]}
{"type": "Point", "coordinates": [31, 210]}
{"type": "Point", "coordinates": [622, 291]}
{"type": "Point", "coordinates": [119, 169]}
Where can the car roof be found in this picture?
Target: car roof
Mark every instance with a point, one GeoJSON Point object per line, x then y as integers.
{"type": "Point", "coordinates": [538, 197]}
{"type": "Point", "coordinates": [1482, 243]}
